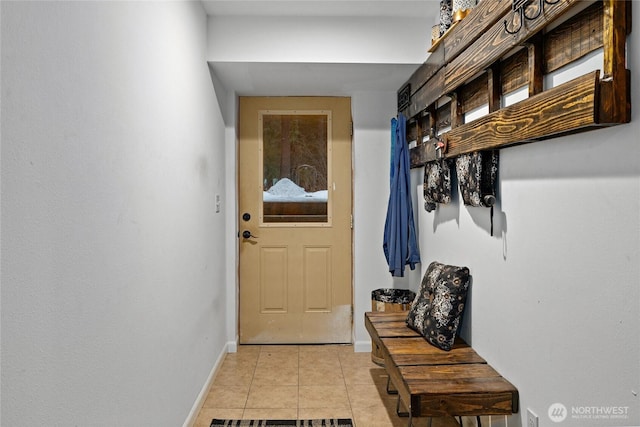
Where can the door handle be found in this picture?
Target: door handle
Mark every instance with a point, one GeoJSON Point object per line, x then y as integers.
{"type": "Point", "coordinates": [247, 235]}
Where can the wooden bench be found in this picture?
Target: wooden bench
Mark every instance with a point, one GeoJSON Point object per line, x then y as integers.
{"type": "Point", "coordinates": [434, 383]}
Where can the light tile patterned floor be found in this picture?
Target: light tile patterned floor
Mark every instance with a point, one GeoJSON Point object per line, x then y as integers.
{"type": "Point", "coordinates": [304, 382]}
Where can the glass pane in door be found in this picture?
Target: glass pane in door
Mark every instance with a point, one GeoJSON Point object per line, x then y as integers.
{"type": "Point", "coordinates": [295, 169]}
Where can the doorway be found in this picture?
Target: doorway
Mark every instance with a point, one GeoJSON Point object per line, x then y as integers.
{"type": "Point", "coordinates": [295, 207]}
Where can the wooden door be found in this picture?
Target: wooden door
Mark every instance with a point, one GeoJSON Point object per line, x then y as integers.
{"type": "Point", "coordinates": [295, 201]}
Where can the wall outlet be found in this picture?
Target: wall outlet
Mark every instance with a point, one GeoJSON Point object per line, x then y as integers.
{"type": "Point", "coordinates": [532, 419]}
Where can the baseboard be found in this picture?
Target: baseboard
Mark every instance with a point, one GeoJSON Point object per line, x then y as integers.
{"type": "Point", "coordinates": [202, 396]}
{"type": "Point", "coordinates": [362, 347]}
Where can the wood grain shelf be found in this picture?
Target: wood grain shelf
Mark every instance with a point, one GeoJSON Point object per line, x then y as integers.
{"type": "Point", "coordinates": [477, 62]}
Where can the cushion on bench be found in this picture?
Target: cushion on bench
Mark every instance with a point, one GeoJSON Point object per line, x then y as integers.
{"type": "Point", "coordinates": [437, 310]}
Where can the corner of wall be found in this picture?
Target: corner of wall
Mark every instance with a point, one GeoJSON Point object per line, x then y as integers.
{"type": "Point", "coordinates": [362, 346]}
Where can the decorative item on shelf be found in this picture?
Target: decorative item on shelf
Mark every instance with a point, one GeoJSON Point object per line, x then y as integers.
{"type": "Point", "coordinates": [435, 33]}
{"type": "Point", "coordinates": [519, 7]}
{"type": "Point", "coordinates": [445, 16]}
{"type": "Point", "coordinates": [461, 8]}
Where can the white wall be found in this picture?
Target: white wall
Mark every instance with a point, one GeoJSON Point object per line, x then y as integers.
{"type": "Point", "coordinates": [555, 297]}
{"type": "Point", "coordinates": [112, 265]}
{"type": "Point", "coordinates": [372, 112]}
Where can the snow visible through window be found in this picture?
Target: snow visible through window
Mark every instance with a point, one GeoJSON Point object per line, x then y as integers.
{"type": "Point", "coordinates": [286, 190]}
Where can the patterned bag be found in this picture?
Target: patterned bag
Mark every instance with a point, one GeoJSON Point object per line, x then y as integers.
{"type": "Point", "coordinates": [477, 173]}
{"type": "Point", "coordinates": [437, 183]}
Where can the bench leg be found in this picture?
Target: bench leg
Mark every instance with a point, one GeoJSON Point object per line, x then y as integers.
{"type": "Point", "coordinates": [478, 421]}
{"type": "Point", "coordinates": [389, 390]}
{"type": "Point", "coordinates": [410, 422]}
{"type": "Point", "coordinates": [402, 414]}
{"type": "Point", "coordinates": [408, 414]}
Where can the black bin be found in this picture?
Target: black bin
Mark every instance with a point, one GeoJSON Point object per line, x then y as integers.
{"type": "Point", "coordinates": [390, 300]}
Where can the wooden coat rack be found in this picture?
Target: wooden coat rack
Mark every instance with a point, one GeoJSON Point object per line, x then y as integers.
{"type": "Point", "coordinates": [486, 56]}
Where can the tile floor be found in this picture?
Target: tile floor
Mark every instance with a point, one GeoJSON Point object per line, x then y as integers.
{"type": "Point", "coordinates": [304, 382]}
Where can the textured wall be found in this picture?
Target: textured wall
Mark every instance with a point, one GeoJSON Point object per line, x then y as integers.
{"type": "Point", "coordinates": [112, 153]}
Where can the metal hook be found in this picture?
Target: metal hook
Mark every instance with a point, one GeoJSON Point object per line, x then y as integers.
{"type": "Point", "coordinates": [522, 16]}
{"type": "Point", "coordinates": [540, 9]}
{"type": "Point", "coordinates": [519, 6]}
{"type": "Point", "coordinates": [440, 147]}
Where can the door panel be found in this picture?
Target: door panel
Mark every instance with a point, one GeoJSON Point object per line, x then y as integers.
{"type": "Point", "coordinates": [295, 183]}
{"type": "Point", "coordinates": [317, 279]}
{"type": "Point", "coordinates": [273, 295]}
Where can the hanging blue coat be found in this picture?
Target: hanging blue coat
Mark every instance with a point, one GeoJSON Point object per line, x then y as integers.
{"type": "Point", "coordinates": [400, 244]}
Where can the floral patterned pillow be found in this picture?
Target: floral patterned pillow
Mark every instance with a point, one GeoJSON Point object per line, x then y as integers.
{"type": "Point", "coordinates": [436, 312]}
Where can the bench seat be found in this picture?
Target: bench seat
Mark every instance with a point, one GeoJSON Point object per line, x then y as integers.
{"type": "Point", "coordinates": [432, 382]}
{"type": "Point", "coordinates": [388, 325]}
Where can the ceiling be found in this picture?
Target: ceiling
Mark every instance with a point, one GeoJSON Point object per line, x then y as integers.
{"type": "Point", "coordinates": [299, 79]}
{"type": "Point", "coordinates": [362, 8]}
{"type": "Point", "coordinates": [291, 79]}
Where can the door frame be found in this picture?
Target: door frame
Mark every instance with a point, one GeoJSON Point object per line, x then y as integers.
{"type": "Point", "coordinates": [237, 221]}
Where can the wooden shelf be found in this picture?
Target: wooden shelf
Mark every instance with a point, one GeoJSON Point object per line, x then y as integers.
{"type": "Point", "coordinates": [477, 61]}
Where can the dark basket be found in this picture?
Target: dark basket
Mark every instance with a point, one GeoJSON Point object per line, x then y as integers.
{"type": "Point", "coordinates": [394, 296]}
{"type": "Point", "coordinates": [389, 300]}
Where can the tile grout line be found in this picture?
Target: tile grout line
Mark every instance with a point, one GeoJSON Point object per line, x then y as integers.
{"type": "Point", "coordinates": [253, 376]}
{"type": "Point", "coordinates": [344, 380]}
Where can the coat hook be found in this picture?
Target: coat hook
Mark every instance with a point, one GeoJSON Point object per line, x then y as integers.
{"type": "Point", "coordinates": [540, 9]}
{"type": "Point", "coordinates": [440, 146]}
{"type": "Point", "coordinates": [506, 27]}
{"type": "Point", "coordinates": [519, 7]}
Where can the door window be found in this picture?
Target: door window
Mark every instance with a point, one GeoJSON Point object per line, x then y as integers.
{"type": "Point", "coordinates": [295, 147]}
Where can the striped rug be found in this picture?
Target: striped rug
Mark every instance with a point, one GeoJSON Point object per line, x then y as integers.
{"type": "Point", "coordinates": [327, 422]}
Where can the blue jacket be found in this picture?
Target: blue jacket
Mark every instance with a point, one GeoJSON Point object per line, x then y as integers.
{"type": "Point", "coordinates": [400, 245]}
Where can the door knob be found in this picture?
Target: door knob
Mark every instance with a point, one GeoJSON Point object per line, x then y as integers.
{"type": "Point", "coordinates": [247, 234]}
